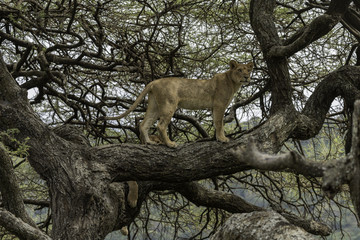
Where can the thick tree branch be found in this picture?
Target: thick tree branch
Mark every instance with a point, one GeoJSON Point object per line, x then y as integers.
{"type": "Point", "coordinates": [185, 163]}
{"type": "Point", "coordinates": [192, 161]}
{"type": "Point", "coordinates": [262, 22]}
{"type": "Point", "coordinates": [20, 228]}
{"type": "Point", "coordinates": [199, 195]}
{"type": "Point", "coordinates": [291, 161]}
{"type": "Point", "coordinates": [351, 21]}
{"type": "Point", "coordinates": [10, 191]}
{"type": "Point", "coordinates": [344, 82]}
{"type": "Point", "coordinates": [311, 226]}
{"type": "Point", "coordinates": [9, 91]}
{"type": "Point", "coordinates": [315, 30]}
{"type": "Point", "coordinates": [200, 160]}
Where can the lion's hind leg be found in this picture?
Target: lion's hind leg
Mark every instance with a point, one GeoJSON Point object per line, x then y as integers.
{"type": "Point", "coordinates": [151, 116]}
{"type": "Point", "coordinates": [165, 117]}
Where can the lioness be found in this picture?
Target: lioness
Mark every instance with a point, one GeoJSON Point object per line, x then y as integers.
{"type": "Point", "coordinates": [167, 94]}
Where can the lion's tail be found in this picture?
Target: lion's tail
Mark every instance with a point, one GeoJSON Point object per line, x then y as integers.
{"type": "Point", "coordinates": [135, 104]}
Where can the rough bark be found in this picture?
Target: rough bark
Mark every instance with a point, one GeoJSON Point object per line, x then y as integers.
{"type": "Point", "coordinates": [344, 82]}
{"type": "Point", "coordinates": [262, 22]}
{"type": "Point", "coordinates": [11, 195]}
{"type": "Point", "coordinates": [354, 172]}
{"type": "Point", "coordinates": [292, 161]}
{"type": "Point", "coordinates": [20, 228]}
{"type": "Point", "coordinates": [260, 225]}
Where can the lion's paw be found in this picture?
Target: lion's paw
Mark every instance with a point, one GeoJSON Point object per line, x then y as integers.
{"type": "Point", "coordinates": [223, 139]}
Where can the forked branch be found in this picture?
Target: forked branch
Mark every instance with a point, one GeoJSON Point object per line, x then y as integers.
{"type": "Point", "coordinates": [20, 228]}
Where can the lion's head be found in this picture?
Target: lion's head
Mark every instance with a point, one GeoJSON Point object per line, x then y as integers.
{"type": "Point", "coordinates": [240, 73]}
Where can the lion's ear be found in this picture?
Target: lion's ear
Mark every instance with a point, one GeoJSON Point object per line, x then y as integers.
{"type": "Point", "coordinates": [250, 65]}
{"type": "Point", "coordinates": [233, 64]}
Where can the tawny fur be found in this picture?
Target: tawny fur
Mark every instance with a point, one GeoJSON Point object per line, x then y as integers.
{"type": "Point", "coordinates": [167, 94]}
{"type": "Point", "coordinates": [133, 193]}
{"type": "Point", "coordinates": [132, 200]}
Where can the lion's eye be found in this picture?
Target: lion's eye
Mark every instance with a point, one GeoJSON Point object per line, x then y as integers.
{"type": "Point", "coordinates": [240, 70]}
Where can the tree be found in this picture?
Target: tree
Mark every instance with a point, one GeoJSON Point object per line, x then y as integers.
{"type": "Point", "coordinates": [80, 60]}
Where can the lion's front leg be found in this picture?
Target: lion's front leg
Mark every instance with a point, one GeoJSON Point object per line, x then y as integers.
{"type": "Point", "coordinates": [218, 115]}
